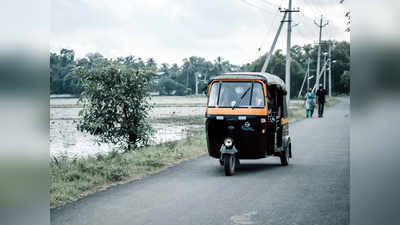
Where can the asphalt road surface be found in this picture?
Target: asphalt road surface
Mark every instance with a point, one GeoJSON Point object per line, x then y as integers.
{"type": "Point", "coordinates": [312, 190]}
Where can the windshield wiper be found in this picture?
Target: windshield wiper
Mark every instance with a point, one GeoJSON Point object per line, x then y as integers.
{"type": "Point", "coordinates": [241, 98]}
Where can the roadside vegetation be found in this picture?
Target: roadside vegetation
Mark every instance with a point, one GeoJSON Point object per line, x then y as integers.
{"type": "Point", "coordinates": [71, 179]}
{"type": "Point", "coordinates": [179, 80]}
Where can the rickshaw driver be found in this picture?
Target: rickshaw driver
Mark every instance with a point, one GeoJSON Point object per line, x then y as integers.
{"type": "Point", "coordinates": [231, 96]}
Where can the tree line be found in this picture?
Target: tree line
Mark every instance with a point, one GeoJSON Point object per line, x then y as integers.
{"type": "Point", "coordinates": [181, 80]}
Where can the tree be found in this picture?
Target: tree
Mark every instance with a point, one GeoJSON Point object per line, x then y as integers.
{"type": "Point", "coordinates": [151, 64]}
{"type": "Point", "coordinates": [62, 79]}
{"type": "Point", "coordinates": [115, 104]}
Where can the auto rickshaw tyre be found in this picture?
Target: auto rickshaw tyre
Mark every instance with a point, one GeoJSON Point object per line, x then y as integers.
{"type": "Point", "coordinates": [229, 164]}
{"type": "Point", "coordinates": [285, 157]}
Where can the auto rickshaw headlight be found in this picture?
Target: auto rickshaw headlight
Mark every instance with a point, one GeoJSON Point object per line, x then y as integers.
{"type": "Point", "coordinates": [228, 142]}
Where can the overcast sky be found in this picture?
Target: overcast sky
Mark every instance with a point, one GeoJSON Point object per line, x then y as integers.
{"type": "Point", "coordinates": [170, 30]}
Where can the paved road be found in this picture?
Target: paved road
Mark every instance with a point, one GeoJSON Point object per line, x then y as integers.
{"type": "Point", "coordinates": [313, 189]}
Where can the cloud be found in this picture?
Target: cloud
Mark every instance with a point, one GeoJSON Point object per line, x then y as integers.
{"type": "Point", "coordinates": [168, 30]}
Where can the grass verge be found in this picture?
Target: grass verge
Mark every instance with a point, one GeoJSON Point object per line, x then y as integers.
{"type": "Point", "coordinates": [187, 120]}
{"type": "Point", "coordinates": [73, 179]}
{"type": "Point", "coordinates": [297, 110]}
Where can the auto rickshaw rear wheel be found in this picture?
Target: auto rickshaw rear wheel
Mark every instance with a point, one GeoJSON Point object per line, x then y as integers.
{"type": "Point", "coordinates": [229, 164]}
{"type": "Point", "coordinates": [285, 157]}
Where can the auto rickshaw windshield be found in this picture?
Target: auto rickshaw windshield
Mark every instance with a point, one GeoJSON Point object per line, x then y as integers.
{"type": "Point", "coordinates": [230, 94]}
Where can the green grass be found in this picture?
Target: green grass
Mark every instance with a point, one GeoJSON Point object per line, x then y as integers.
{"type": "Point", "coordinates": [71, 179]}
{"type": "Point", "coordinates": [187, 120]}
{"type": "Point", "coordinates": [297, 111]}
{"type": "Point", "coordinates": [331, 101]}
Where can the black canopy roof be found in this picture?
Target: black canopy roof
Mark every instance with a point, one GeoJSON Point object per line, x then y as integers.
{"type": "Point", "coordinates": [269, 79]}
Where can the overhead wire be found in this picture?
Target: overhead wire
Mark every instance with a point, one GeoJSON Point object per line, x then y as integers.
{"type": "Point", "coordinates": [256, 6]}
{"type": "Point", "coordinates": [271, 25]}
{"type": "Point", "coordinates": [261, 46]}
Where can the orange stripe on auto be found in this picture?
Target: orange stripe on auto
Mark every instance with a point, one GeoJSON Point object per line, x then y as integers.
{"type": "Point", "coordinates": [237, 111]}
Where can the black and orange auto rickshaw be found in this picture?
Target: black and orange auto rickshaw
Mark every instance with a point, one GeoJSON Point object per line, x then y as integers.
{"type": "Point", "coordinates": [247, 118]}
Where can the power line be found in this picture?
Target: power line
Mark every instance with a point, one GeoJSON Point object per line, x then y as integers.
{"type": "Point", "coordinates": [256, 6]}
{"type": "Point", "coordinates": [267, 33]}
{"type": "Point", "coordinates": [270, 3]}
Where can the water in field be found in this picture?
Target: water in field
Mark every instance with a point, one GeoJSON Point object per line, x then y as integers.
{"type": "Point", "coordinates": [161, 100]}
{"type": "Point", "coordinates": [156, 112]}
{"type": "Point", "coordinates": [66, 140]}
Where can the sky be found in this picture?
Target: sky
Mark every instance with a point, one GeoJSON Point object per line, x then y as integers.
{"type": "Point", "coordinates": [171, 30]}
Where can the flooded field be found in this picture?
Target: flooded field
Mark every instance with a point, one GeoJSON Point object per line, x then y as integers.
{"type": "Point", "coordinates": [72, 113]}
{"type": "Point", "coordinates": [157, 100]}
{"type": "Point", "coordinates": [66, 140]}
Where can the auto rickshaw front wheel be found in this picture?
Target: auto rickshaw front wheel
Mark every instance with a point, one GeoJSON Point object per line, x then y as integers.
{"type": "Point", "coordinates": [284, 157]}
{"type": "Point", "coordinates": [229, 164]}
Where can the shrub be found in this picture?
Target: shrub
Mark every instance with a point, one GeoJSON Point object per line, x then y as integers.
{"type": "Point", "coordinates": [115, 104]}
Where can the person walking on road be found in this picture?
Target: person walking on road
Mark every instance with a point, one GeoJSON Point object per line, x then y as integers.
{"type": "Point", "coordinates": [310, 103]}
{"type": "Point", "coordinates": [321, 100]}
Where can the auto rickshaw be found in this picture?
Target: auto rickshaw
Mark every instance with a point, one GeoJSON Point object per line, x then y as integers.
{"type": "Point", "coordinates": [246, 118]}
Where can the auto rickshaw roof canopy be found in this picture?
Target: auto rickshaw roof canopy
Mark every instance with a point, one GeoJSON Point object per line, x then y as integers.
{"type": "Point", "coordinates": [269, 79]}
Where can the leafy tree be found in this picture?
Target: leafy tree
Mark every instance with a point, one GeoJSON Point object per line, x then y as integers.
{"type": "Point", "coordinates": [116, 104]}
{"type": "Point", "coordinates": [62, 79]}
{"type": "Point", "coordinates": [173, 71]}
{"type": "Point", "coordinates": [151, 64]}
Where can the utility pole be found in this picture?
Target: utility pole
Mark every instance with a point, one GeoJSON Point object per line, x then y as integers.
{"type": "Point", "coordinates": [319, 77]}
{"type": "Point", "coordinates": [288, 47]}
{"type": "Point", "coordinates": [305, 78]}
{"type": "Point", "coordinates": [325, 71]}
{"type": "Point", "coordinates": [197, 82]}
{"type": "Point", "coordinates": [330, 68]}
{"type": "Point", "coordinates": [320, 25]}
{"type": "Point", "coordinates": [308, 73]}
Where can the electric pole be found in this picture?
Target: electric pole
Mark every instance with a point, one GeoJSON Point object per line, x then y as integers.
{"type": "Point", "coordinates": [319, 77]}
{"type": "Point", "coordinates": [320, 25]}
{"type": "Point", "coordinates": [308, 73]}
{"type": "Point", "coordinates": [288, 58]}
{"type": "Point", "coordinates": [197, 82]}
{"type": "Point", "coordinates": [330, 68]}
{"type": "Point", "coordinates": [305, 78]}
{"type": "Point", "coordinates": [325, 71]}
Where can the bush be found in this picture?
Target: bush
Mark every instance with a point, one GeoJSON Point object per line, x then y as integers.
{"type": "Point", "coordinates": [115, 104]}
